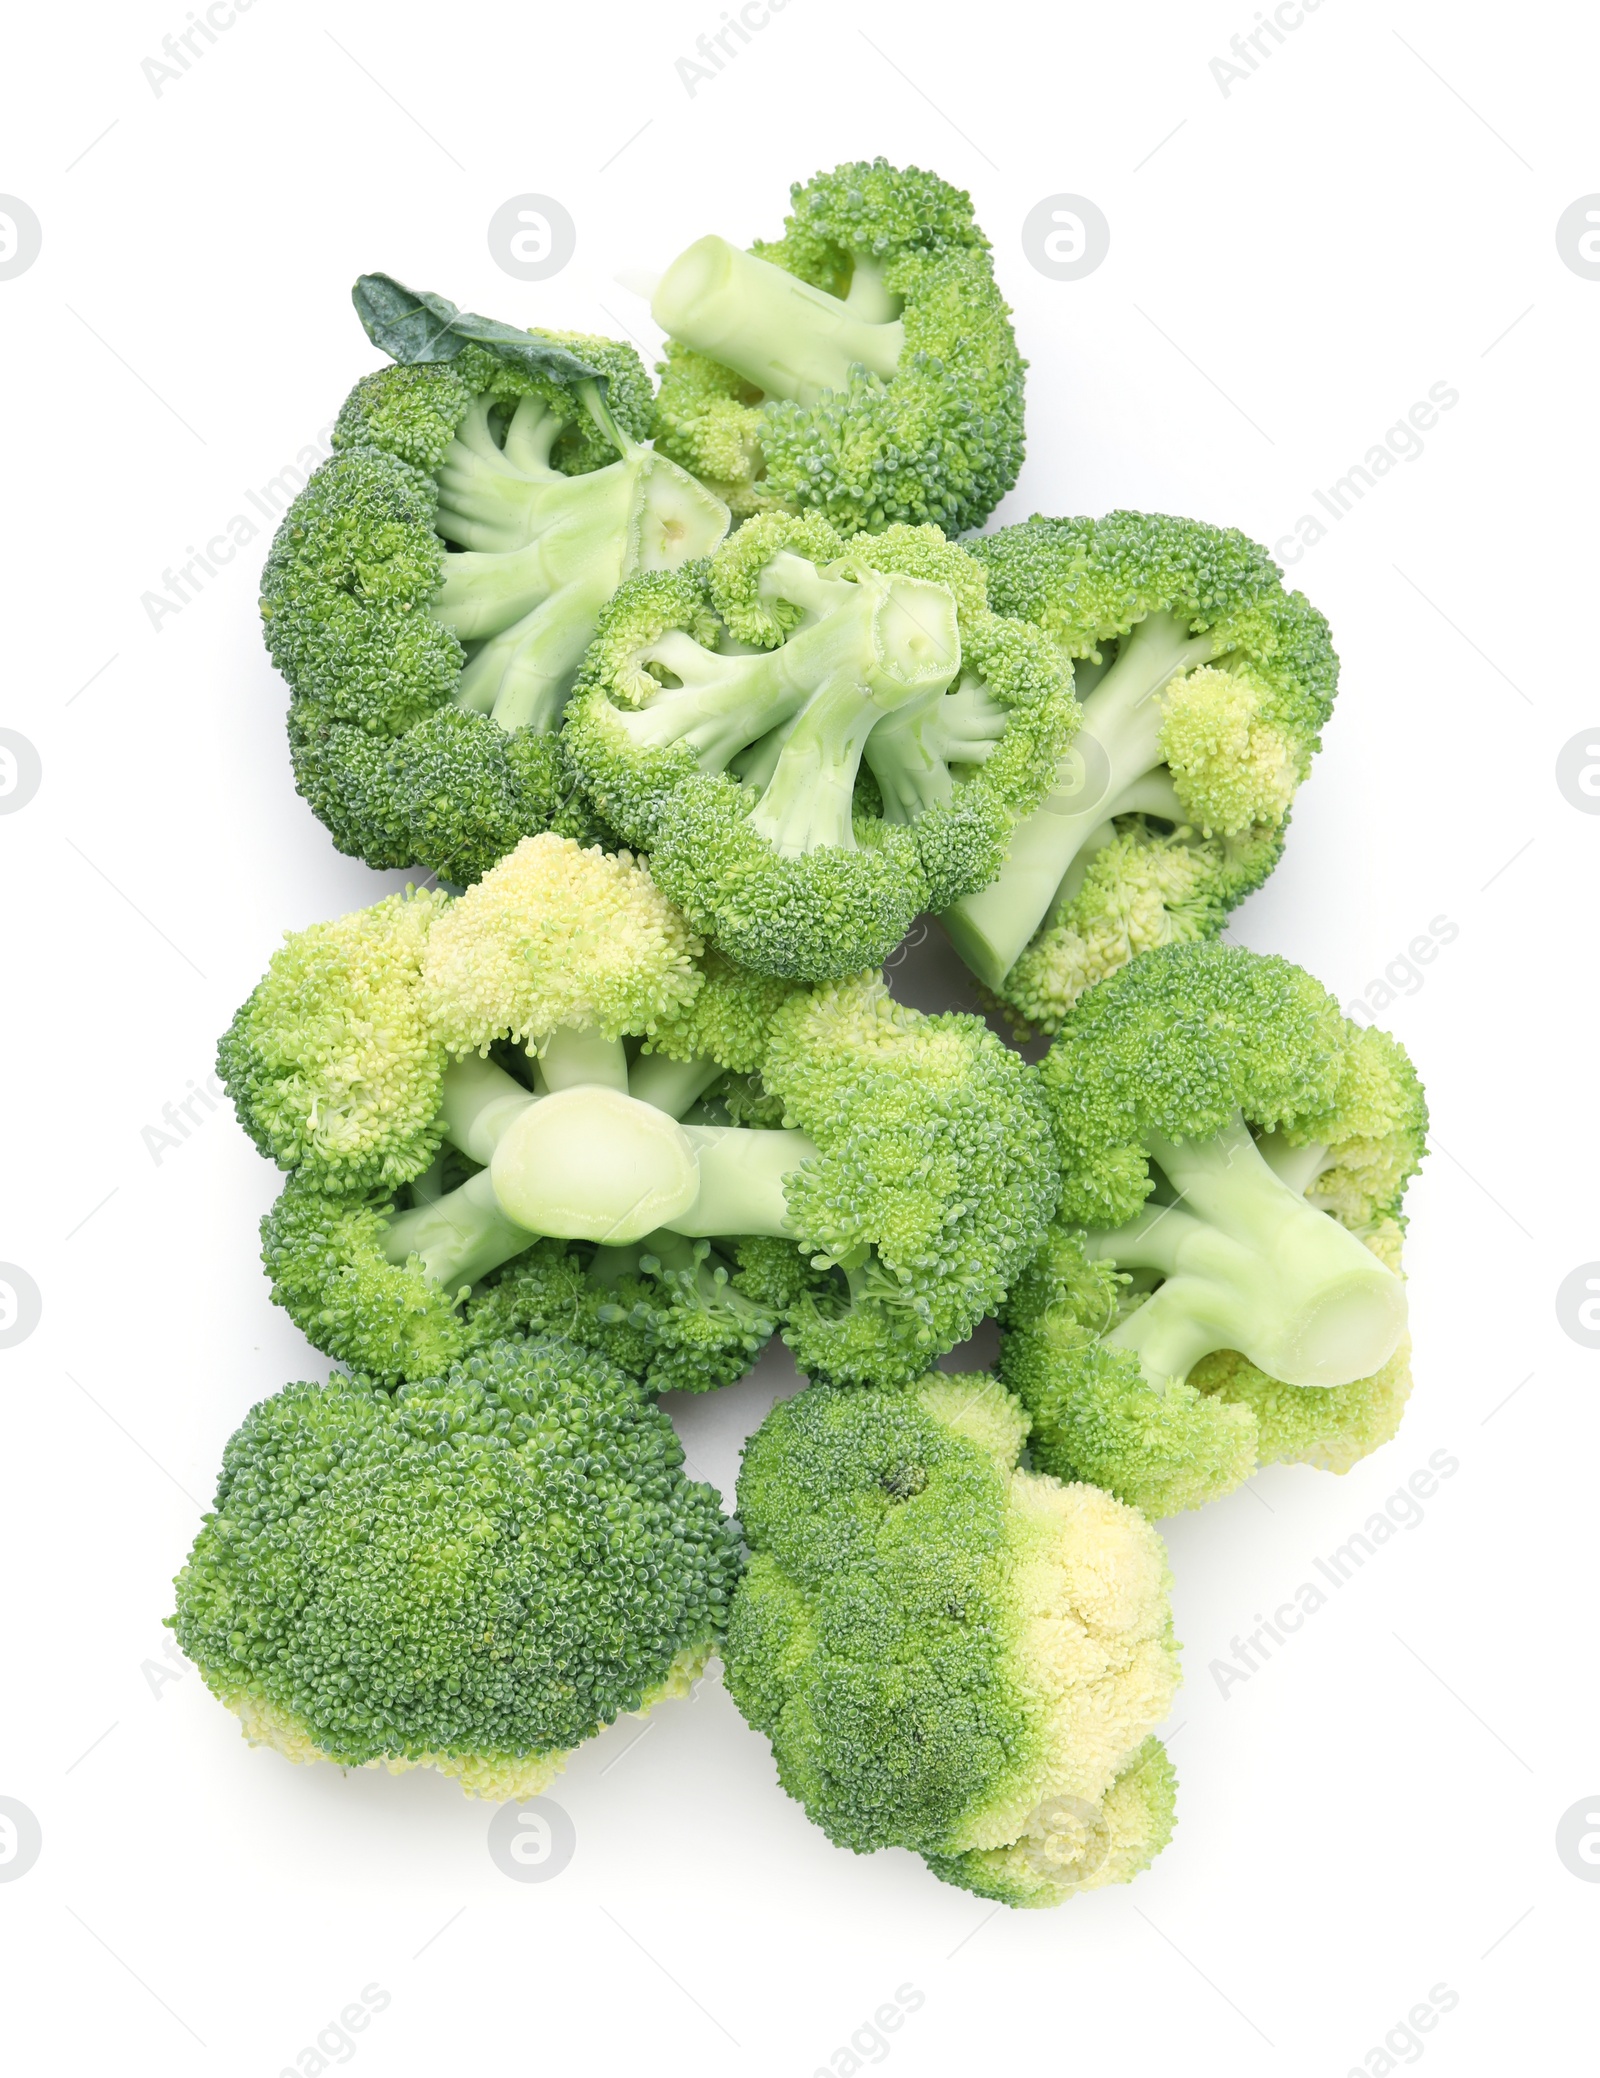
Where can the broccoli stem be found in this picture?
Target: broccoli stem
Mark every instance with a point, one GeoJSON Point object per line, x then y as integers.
{"type": "Point", "coordinates": [542, 552]}
{"type": "Point", "coordinates": [743, 1172]}
{"type": "Point", "coordinates": [882, 641]}
{"type": "Point", "coordinates": [915, 650]}
{"type": "Point", "coordinates": [1249, 1265]}
{"type": "Point", "coordinates": [587, 1161]}
{"type": "Point", "coordinates": [911, 751]}
{"type": "Point", "coordinates": [671, 1086]}
{"type": "Point", "coordinates": [459, 1237]}
{"type": "Point", "coordinates": [576, 1055]}
{"type": "Point", "coordinates": [478, 1101]}
{"type": "Point", "coordinates": [809, 801]}
{"type": "Point", "coordinates": [787, 338]}
{"type": "Point", "coordinates": [1116, 752]}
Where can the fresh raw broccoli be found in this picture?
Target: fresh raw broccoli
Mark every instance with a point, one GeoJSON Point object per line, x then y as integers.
{"type": "Point", "coordinates": [1204, 686]}
{"type": "Point", "coordinates": [475, 1573]}
{"type": "Point", "coordinates": [862, 366]}
{"type": "Point", "coordinates": [572, 945]}
{"type": "Point", "coordinates": [726, 712]}
{"type": "Point", "coordinates": [429, 594]}
{"type": "Point", "coordinates": [1221, 1290]}
{"type": "Point", "coordinates": [903, 1162]}
{"type": "Point", "coordinates": [949, 1653]}
{"type": "Point", "coordinates": [330, 1062]}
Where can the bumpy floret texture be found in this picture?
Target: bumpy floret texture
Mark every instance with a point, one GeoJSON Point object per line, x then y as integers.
{"type": "Point", "coordinates": [949, 1653]}
{"type": "Point", "coordinates": [397, 773]}
{"type": "Point", "coordinates": [1238, 730]}
{"type": "Point", "coordinates": [1096, 1417]}
{"type": "Point", "coordinates": [331, 1062]}
{"type": "Point", "coordinates": [557, 935]}
{"type": "Point", "coordinates": [1177, 1044]}
{"type": "Point", "coordinates": [1144, 889]}
{"type": "Point", "coordinates": [983, 754]}
{"type": "Point", "coordinates": [940, 440]}
{"type": "Point", "coordinates": [934, 1184]}
{"type": "Point", "coordinates": [475, 1573]}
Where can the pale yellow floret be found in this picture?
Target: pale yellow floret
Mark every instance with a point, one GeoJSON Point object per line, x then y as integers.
{"type": "Point", "coordinates": [498, 1778]}
{"type": "Point", "coordinates": [1093, 1656]}
{"type": "Point", "coordinates": [1131, 901]}
{"type": "Point", "coordinates": [1371, 1128]}
{"type": "Point", "coordinates": [556, 935]}
{"type": "Point", "coordinates": [1231, 768]}
{"type": "Point", "coordinates": [978, 1407]}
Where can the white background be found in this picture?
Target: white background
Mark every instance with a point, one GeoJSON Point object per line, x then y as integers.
{"type": "Point", "coordinates": [1293, 263]}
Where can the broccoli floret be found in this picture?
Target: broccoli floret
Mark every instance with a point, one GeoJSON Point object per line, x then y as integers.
{"type": "Point", "coordinates": [862, 366]}
{"type": "Point", "coordinates": [906, 1161]}
{"type": "Point", "coordinates": [932, 1185]}
{"type": "Point", "coordinates": [1221, 1289]}
{"type": "Point", "coordinates": [724, 713]}
{"type": "Point", "coordinates": [1204, 686]}
{"type": "Point", "coordinates": [395, 1254]}
{"type": "Point", "coordinates": [475, 1573]}
{"type": "Point", "coordinates": [331, 1063]}
{"type": "Point", "coordinates": [454, 788]}
{"type": "Point", "coordinates": [485, 498]}
{"type": "Point", "coordinates": [948, 1653]}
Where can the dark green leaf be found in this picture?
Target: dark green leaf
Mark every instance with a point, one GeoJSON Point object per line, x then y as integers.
{"type": "Point", "coordinates": [412, 325]}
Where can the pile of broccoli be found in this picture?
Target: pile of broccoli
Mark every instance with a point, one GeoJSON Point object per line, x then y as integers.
{"type": "Point", "coordinates": [687, 702]}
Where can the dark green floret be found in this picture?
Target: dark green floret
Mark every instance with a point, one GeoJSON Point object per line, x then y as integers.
{"type": "Point", "coordinates": [475, 1573]}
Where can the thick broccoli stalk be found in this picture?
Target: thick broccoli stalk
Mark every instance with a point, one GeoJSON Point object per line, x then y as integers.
{"type": "Point", "coordinates": [863, 366]}
{"type": "Point", "coordinates": [475, 1573]}
{"type": "Point", "coordinates": [430, 593]}
{"type": "Point", "coordinates": [949, 1653]}
{"type": "Point", "coordinates": [1203, 686]}
{"type": "Point", "coordinates": [724, 716]}
{"type": "Point", "coordinates": [1216, 1297]}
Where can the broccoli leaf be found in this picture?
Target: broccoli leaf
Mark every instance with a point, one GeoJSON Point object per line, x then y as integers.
{"type": "Point", "coordinates": [411, 325]}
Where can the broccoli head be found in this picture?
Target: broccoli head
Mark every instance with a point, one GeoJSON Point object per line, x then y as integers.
{"type": "Point", "coordinates": [949, 1653]}
{"type": "Point", "coordinates": [1221, 1287]}
{"type": "Point", "coordinates": [581, 1065]}
{"type": "Point", "coordinates": [389, 1247]}
{"type": "Point", "coordinates": [1203, 687]}
{"type": "Point", "coordinates": [862, 366]}
{"type": "Point", "coordinates": [475, 1573]}
{"type": "Point", "coordinates": [331, 1063]}
{"type": "Point", "coordinates": [931, 1186]}
{"type": "Point", "coordinates": [815, 738]}
{"type": "Point", "coordinates": [429, 594]}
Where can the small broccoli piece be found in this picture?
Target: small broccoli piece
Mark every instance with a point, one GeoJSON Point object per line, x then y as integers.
{"type": "Point", "coordinates": [454, 788]}
{"type": "Point", "coordinates": [905, 1162]}
{"type": "Point", "coordinates": [933, 1181]}
{"type": "Point", "coordinates": [862, 366]}
{"type": "Point", "coordinates": [1204, 686]}
{"type": "Point", "coordinates": [724, 713]}
{"type": "Point", "coordinates": [948, 1653]}
{"type": "Point", "coordinates": [331, 1063]}
{"type": "Point", "coordinates": [475, 1573]}
{"type": "Point", "coordinates": [1221, 1289]}
{"type": "Point", "coordinates": [485, 497]}
{"type": "Point", "coordinates": [396, 1255]}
